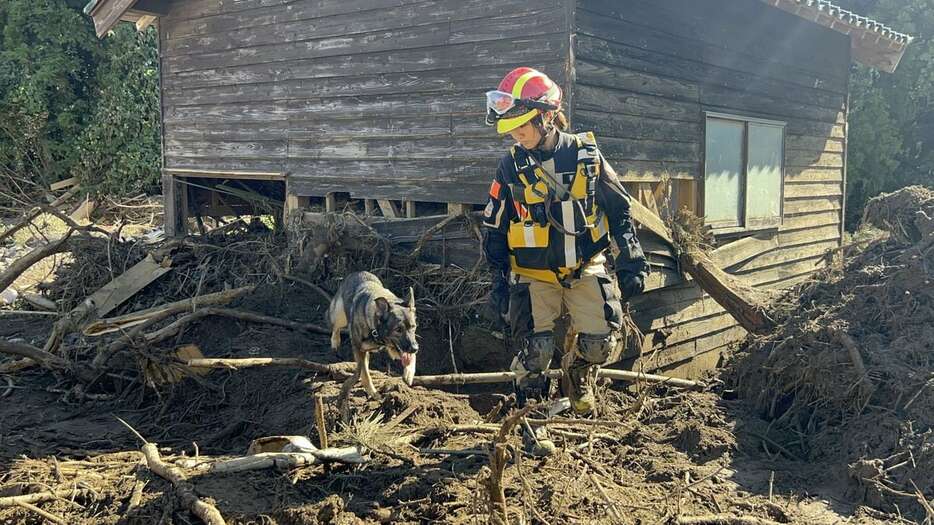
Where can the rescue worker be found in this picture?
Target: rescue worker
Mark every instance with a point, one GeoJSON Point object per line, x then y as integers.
{"type": "Point", "coordinates": [554, 205]}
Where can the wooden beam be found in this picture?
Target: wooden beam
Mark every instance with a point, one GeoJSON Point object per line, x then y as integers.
{"type": "Point", "coordinates": [388, 208]}
{"type": "Point", "coordinates": [455, 208]}
{"type": "Point", "coordinates": [144, 22]}
{"type": "Point", "coordinates": [369, 207]}
{"type": "Point", "coordinates": [293, 202]}
{"type": "Point", "coordinates": [650, 221]}
{"type": "Point", "coordinates": [410, 209]}
{"type": "Point", "coordinates": [220, 174]}
{"type": "Point", "coordinates": [62, 184]}
{"type": "Point", "coordinates": [169, 205]}
{"type": "Point", "coordinates": [330, 203]}
{"type": "Point", "coordinates": [107, 13]}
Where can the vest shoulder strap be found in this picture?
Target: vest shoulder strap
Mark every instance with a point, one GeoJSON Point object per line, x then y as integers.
{"type": "Point", "coordinates": [521, 160]}
{"type": "Point", "coordinates": [587, 151]}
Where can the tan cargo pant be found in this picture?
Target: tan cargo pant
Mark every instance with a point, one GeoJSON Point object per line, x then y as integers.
{"type": "Point", "coordinates": [592, 301]}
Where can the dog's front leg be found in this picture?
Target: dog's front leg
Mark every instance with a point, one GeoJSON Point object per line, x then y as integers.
{"type": "Point", "coordinates": [348, 386]}
{"type": "Point", "coordinates": [367, 379]}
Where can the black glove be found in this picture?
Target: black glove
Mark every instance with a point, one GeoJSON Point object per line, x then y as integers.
{"type": "Point", "coordinates": [499, 297]}
{"type": "Point", "coordinates": [631, 284]}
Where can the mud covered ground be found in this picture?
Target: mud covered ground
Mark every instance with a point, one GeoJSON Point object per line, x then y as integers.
{"type": "Point", "coordinates": [652, 455]}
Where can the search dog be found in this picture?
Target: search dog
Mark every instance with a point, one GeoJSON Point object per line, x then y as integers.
{"type": "Point", "coordinates": [376, 319]}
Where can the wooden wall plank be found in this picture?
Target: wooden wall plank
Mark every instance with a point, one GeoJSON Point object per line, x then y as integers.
{"type": "Point", "coordinates": [609, 124]}
{"type": "Point", "coordinates": [385, 36]}
{"type": "Point", "coordinates": [687, 30]}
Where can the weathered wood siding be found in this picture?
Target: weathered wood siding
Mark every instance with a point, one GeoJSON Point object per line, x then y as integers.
{"type": "Point", "coordinates": [379, 98]}
{"type": "Point", "coordinates": [645, 72]}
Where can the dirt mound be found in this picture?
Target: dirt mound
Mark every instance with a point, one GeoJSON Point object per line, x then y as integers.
{"type": "Point", "coordinates": [907, 213]}
{"type": "Point", "coordinates": [849, 374]}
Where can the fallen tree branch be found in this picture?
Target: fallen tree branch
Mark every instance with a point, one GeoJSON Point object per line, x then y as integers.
{"type": "Point", "coordinates": [39, 497]}
{"type": "Point", "coordinates": [722, 519]}
{"type": "Point", "coordinates": [498, 506]}
{"type": "Point", "coordinates": [174, 328]}
{"type": "Point", "coordinates": [324, 295]}
{"type": "Point", "coordinates": [183, 488]}
{"type": "Point", "coordinates": [36, 212]}
{"type": "Point", "coordinates": [45, 359]}
{"type": "Point", "coordinates": [337, 372]}
{"type": "Point", "coordinates": [147, 318]}
{"type": "Point", "coordinates": [16, 366]}
{"type": "Point", "coordinates": [26, 262]}
{"type": "Point", "coordinates": [47, 515]}
{"type": "Point", "coordinates": [507, 377]}
{"type": "Point", "coordinates": [430, 232]}
{"type": "Point", "coordinates": [122, 322]}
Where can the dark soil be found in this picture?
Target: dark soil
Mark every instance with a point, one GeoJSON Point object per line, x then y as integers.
{"type": "Point", "coordinates": [667, 454]}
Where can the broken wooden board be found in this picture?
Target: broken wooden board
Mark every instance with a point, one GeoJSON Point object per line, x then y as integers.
{"type": "Point", "coordinates": [128, 284]}
{"type": "Point", "coordinates": [388, 208]}
{"type": "Point", "coordinates": [82, 213]}
{"type": "Point", "coordinates": [650, 221]}
{"type": "Point", "coordinates": [737, 299]}
{"type": "Point", "coordinates": [62, 184]}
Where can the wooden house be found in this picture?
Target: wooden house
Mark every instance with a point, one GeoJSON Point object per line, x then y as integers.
{"type": "Point", "coordinates": [736, 109]}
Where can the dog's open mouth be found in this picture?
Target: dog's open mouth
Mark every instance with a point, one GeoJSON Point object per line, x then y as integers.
{"type": "Point", "coordinates": [408, 367]}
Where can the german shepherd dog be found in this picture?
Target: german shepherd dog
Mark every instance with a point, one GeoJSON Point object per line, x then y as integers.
{"type": "Point", "coordinates": [376, 320]}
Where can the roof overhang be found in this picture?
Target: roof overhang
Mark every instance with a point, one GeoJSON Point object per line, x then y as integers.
{"type": "Point", "coordinates": [872, 43]}
{"type": "Point", "coordinates": [106, 13]}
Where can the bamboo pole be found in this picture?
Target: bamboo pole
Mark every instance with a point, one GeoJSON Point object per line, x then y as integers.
{"type": "Point", "coordinates": [335, 371]}
{"type": "Point", "coordinates": [505, 377]}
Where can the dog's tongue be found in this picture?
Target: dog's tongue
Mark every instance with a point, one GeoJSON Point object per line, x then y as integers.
{"type": "Point", "coordinates": [408, 367]}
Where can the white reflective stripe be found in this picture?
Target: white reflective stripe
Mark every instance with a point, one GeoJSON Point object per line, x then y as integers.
{"type": "Point", "coordinates": [601, 230]}
{"type": "Point", "coordinates": [570, 245]}
{"type": "Point", "coordinates": [583, 154]}
{"type": "Point", "coordinates": [529, 234]}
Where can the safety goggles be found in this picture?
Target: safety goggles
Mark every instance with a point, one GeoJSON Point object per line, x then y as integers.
{"type": "Point", "coordinates": [499, 103]}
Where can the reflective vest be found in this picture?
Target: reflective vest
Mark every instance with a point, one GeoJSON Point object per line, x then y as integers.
{"type": "Point", "coordinates": [543, 251]}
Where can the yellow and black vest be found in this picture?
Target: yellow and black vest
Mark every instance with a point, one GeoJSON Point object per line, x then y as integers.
{"type": "Point", "coordinates": [576, 229]}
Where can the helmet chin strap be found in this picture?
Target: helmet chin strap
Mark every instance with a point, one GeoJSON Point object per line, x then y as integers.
{"type": "Point", "coordinates": [544, 130]}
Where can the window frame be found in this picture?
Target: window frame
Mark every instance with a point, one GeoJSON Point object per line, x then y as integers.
{"type": "Point", "coordinates": [746, 225]}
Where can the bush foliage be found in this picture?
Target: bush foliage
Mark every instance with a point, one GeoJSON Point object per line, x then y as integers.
{"type": "Point", "coordinates": [72, 105]}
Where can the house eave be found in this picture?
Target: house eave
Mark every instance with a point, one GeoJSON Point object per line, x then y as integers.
{"type": "Point", "coordinates": [873, 43]}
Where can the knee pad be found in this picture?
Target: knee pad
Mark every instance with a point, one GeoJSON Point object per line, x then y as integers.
{"type": "Point", "coordinates": [537, 352]}
{"type": "Point", "coordinates": [596, 348]}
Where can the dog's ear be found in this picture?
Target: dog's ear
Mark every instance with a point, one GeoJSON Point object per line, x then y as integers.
{"type": "Point", "coordinates": [382, 306]}
{"type": "Point", "coordinates": [410, 302]}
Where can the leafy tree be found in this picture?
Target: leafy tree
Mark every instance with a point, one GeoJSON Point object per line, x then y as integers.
{"type": "Point", "coordinates": [73, 105]}
{"type": "Point", "coordinates": [47, 62]}
{"type": "Point", "coordinates": [891, 134]}
{"type": "Point", "coordinates": [120, 147]}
